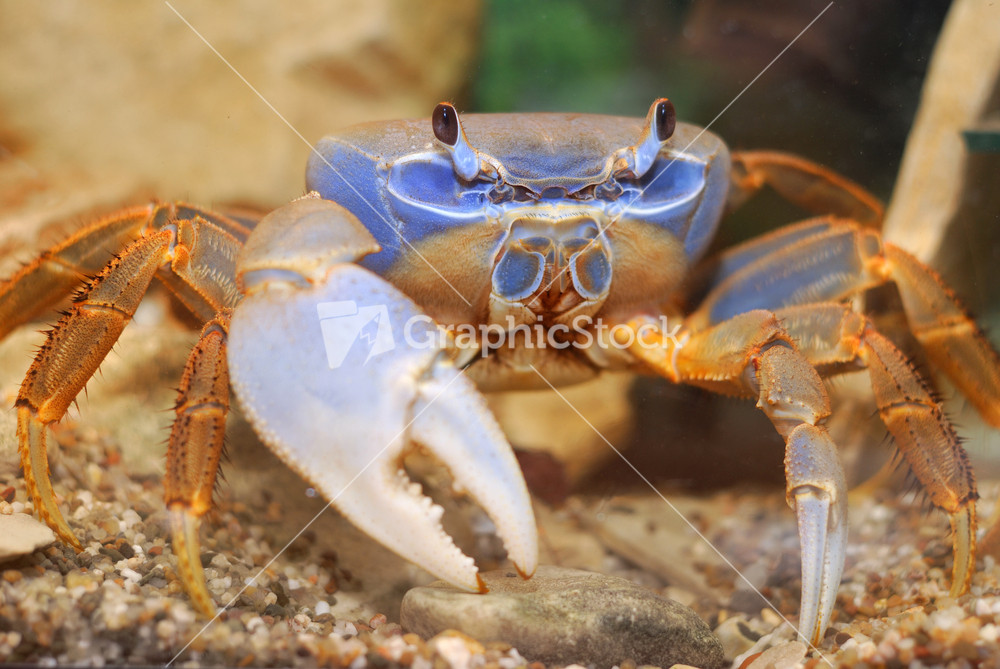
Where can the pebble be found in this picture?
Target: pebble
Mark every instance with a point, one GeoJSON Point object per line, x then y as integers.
{"type": "Point", "coordinates": [565, 616]}
{"type": "Point", "coordinates": [22, 535]}
{"type": "Point", "coordinates": [456, 649]}
{"type": "Point", "coordinates": [780, 657]}
{"type": "Point", "coordinates": [736, 636]}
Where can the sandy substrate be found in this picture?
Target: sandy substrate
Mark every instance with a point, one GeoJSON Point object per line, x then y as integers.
{"type": "Point", "coordinates": [120, 602]}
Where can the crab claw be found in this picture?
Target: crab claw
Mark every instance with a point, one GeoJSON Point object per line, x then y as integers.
{"type": "Point", "coordinates": [816, 490]}
{"type": "Point", "coordinates": [341, 374]}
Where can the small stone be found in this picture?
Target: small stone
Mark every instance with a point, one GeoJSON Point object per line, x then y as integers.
{"type": "Point", "coordinates": [275, 611]}
{"type": "Point", "coordinates": [22, 535]}
{"type": "Point", "coordinates": [566, 616]}
{"type": "Point", "coordinates": [88, 581]}
{"type": "Point", "coordinates": [112, 553]}
{"type": "Point", "coordinates": [736, 636]}
{"type": "Point", "coordinates": [778, 657]}
{"type": "Point", "coordinates": [456, 649]}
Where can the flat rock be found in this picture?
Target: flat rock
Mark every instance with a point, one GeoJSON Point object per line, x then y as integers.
{"type": "Point", "coordinates": [22, 535]}
{"type": "Point", "coordinates": [566, 616]}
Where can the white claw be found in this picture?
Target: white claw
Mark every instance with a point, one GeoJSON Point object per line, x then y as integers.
{"type": "Point", "coordinates": [480, 460]}
{"type": "Point", "coordinates": [816, 489]}
{"type": "Point", "coordinates": [343, 417]}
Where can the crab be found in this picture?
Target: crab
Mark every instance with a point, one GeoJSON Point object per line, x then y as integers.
{"type": "Point", "coordinates": [434, 261]}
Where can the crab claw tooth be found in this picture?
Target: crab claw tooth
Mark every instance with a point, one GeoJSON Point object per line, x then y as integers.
{"type": "Point", "coordinates": [816, 490]}
{"type": "Point", "coordinates": [340, 375]}
{"type": "Point", "coordinates": [459, 429]}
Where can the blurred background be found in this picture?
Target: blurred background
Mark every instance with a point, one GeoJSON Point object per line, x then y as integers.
{"type": "Point", "coordinates": [104, 104]}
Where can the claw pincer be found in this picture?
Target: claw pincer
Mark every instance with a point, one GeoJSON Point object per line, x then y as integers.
{"type": "Point", "coordinates": [346, 428]}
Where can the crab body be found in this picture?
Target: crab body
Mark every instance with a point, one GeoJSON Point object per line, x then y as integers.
{"type": "Point", "coordinates": [500, 243]}
{"type": "Point", "coordinates": [326, 320]}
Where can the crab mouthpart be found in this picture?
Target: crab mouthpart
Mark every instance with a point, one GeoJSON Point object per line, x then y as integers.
{"type": "Point", "coordinates": [551, 267]}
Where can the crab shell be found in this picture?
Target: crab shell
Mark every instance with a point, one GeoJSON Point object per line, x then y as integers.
{"type": "Point", "coordinates": [403, 186]}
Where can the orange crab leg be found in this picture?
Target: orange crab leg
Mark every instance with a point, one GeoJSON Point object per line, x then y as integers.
{"type": "Point", "coordinates": [751, 355]}
{"type": "Point", "coordinates": [951, 338]}
{"type": "Point", "coordinates": [843, 259]}
{"type": "Point", "coordinates": [70, 356]}
{"type": "Point", "coordinates": [193, 452]}
{"type": "Point", "coordinates": [195, 256]}
{"type": "Point", "coordinates": [835, 339]}
{"type": "Point", "coordinates": [52, 276]}
{"type": "Point", "coordinates": [202, 273]}
{"type": "Point", "coordinates": [38, 286]}
{"type": "Point", "coordinates": [807, 184]}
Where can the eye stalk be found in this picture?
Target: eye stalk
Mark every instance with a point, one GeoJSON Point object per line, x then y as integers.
{"type": "Point", "coordinates": [661, 120]}
{"type": "Point", "coordinates": [469, 163]}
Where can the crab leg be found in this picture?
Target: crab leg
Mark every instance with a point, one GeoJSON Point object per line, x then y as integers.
{"type": "Point", "coordinates": [193, 452]}
{"type": "Point", "coordinates": [340, 374]}
{"type": "Point", "coordinates": [82, 338]}
{"type": "Point", "coordinates": [807, 184]}
{"type": "Point", "coordinates": [835, 338]}
{"type": "Point", "coordinates": [751, 355]}
{"type": "Point", "coordinates": [720, 267]}
{"type": "Point", "coordinates": [70, 356]}
{"type": "Point", "coordinates": [843, 259]}
{"type": "Point", "coordinates": [951, 338]}
{"type": "Point", "coordinates": [56, 272]}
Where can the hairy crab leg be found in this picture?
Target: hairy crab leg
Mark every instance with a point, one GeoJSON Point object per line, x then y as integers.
{"type": "Point", "coordinates": [76, 346]}
{"type": "Point", "coordinates": [202, 274]}
{"type": "Point", "coordinates": [751, 355]}
{"type": "Point", "coordinates": [194, 450]}
{"type": "Point", "coordinates": [843, 260]}
{"type": "Point", "coordinates": [950, 337]}
{"type": "Point", "coordinates": [39, 285]}
{"type": "Point", "coordinates": [70, 356]}
{"type": "Point", "coordinates": [807, 184]}
{"type": "Point", "coordinates": [837, 339]}
{"type": "Point", "coordinates": [55, 273]}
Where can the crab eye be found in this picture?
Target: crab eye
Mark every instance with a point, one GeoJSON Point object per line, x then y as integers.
{"type": "Point", "coordinates": [445, 123]}
{"type": "Point", "coordinates": [664, 119]}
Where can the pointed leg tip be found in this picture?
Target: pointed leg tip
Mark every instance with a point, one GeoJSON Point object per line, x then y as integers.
{"type": "Point", "coordinates": [481, 585]}
{"type": "Point", "coordinates": [523, 572]}
{"type": "Point", "coordinates": [74, 543]}
{"type": "Point", "coordinates": [51, 516]}
{"type": "Point", "coordinates": [963, 527]}
{"type": "Point", "coordinates": [187, 547]}
{"type": "Point", "coordinates": [822, 534]}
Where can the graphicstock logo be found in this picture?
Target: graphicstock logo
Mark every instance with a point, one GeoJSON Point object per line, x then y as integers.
{"type": "Point", "coordinates": [347, 327]}
{"type": "Point", "coordinates": [360, 333]}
